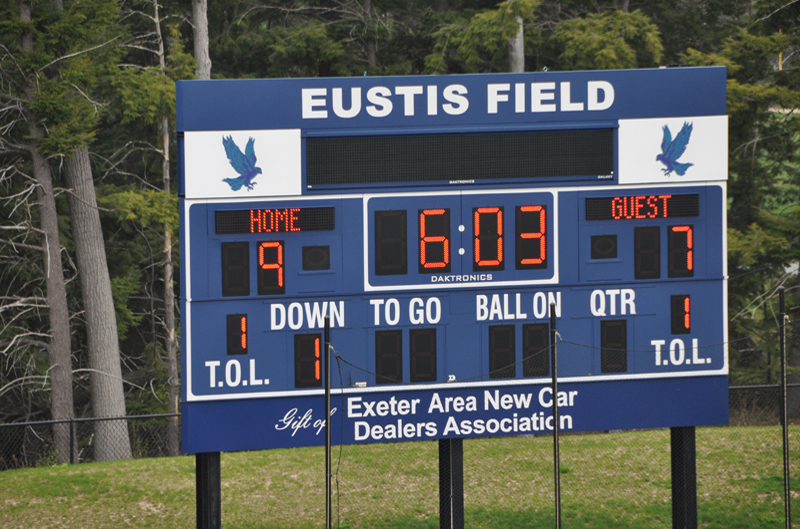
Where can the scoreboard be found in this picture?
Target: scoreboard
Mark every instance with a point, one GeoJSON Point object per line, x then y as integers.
{"type": "Point", "coordinates": [437, 221]}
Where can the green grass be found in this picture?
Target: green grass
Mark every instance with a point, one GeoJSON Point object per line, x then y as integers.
{"type": "Point", "coordinates": [607, 481]}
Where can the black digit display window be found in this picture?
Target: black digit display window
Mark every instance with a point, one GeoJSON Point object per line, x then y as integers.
{"type": "Point", "coordinates": [423, 355]}
{"type": "Point", "coordinates": [487, 239]}
{"type": "Point", "coordinates": [604, 246]}
{"type": "Point", "coordinates": [235, 269]}
{"type": "Point", "coordinates": [531, 237]}
{"type": "Point", "coordinates": [390, 243]}
{"type": "Point", "coordinates": [236, 334]}
{"type": "Point", "coordinates": [642, 207]}
{"type": "Point", "coordinates": [284, 220]}
{"type": "Point", "coordinates": [613, 346]}
{"type": "Point", "coordinates": [680, 314]}
{"type": "Point", "coordinates": [647, 252]}
{"type": "Point", "coordinates": [434, 241]}
{"type": "Point", "coordinates": [680, 251]}
{"type": "Point", "coordinates": [502, 352]}
{"type": "Point", "coordinates": [388, 357]}
{"type": "Point", "coordinates": [535, 350]}
{"type": "Point", "coordinates": [271, 268]}
{"type": "Point", "coordinates": [308, 360]}
{"type": "Point", "coordinates": [316, 257]}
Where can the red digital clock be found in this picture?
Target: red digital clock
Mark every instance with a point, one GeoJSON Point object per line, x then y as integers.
{"type": "Point", "coordinates": [435, 248]}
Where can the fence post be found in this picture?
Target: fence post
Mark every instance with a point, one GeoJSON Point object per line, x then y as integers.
{"type": "Point", "coordinates": [327, 367]}
{"type": "Point", "coordinates": [71, 442]}
{"type": "Point", "coordinates": [556, 449]}
{"type": "Point", "coordinates": [787, 498]}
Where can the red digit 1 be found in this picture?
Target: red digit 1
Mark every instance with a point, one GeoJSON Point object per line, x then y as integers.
{"type": "Point", "coordinates": [434, 249]}
{"type": "Point", "coordinates": [680, 314]}
{"type": "Point", "coordinates": [687, 322]}
{"type": "Point", "coordinates": [236, 333]}
{"type": "Point", "coordinates": [317, 369]}
{"type": "Point", "coordinates": [243, 327]}
{"type": "Point", "coordinates": [535, 235]}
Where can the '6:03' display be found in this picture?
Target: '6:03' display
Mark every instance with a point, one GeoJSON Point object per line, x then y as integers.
{"type": "Point", "coordinates": [434, 249]}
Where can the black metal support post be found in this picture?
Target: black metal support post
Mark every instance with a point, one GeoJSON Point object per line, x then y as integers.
{"type": "Point", "coordinates": [787, 498]}
{"type": "Point", "coordinates": [556, 451]}
{"type": "Point", "coordinates": [208, 491]}
{"type": "Point", "coordinates": [684, 477]}
{"type": "Point", "coordinates": [451, 484]}
{"type": "Point", "coordinates": [328, 504]}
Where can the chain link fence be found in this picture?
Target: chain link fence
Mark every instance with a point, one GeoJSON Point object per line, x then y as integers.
{"type": "Point", "coordinates": [760, 405]}
{"type": "Point", "coordinates": [500, 476]}
{"type": "Point", "coordinates": [35, 444]}
{"type": "Point", "coordinates": [505, 477]}
{"type": "Point", "coordinates": [509, 481]}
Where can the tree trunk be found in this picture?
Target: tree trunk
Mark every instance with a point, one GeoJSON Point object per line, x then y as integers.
{"type": "Point", "coordinates": [59, 348]}
{"type": "Point", "coordinates": [173, 439]}
{"type": "Point", "coordinates": [169, 309]}
{"type": "Point", "coordinates": [516, 50]}
{"type": "Point", "coordinates": [108, 398]}
{"type": "Point", "coordinates": [372, 48]}
{"type": "Point", "coordinates": [200, 21]}
{"type": "Point", "coordinates": [59, 352]}
{"type": "Point", "coordinates": [173, 444]}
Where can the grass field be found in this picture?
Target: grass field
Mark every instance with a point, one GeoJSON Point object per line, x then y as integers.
{"type": "Point", "coordinates": [607, 480]}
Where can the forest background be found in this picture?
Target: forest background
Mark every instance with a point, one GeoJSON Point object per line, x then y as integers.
{"type": "Point", "coordinates": [88, 208]}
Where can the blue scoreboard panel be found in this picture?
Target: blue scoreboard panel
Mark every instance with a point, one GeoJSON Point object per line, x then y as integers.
{"type": "Point", "coordinates": [437, 221]}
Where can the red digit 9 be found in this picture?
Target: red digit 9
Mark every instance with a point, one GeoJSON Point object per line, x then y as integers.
{"type": "Point", "coordinates": [271, 269]}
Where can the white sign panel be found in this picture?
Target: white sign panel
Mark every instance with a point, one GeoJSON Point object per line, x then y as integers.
{"type": "Point", "coordinates": [673, 150]}
{"type": "Point", "coordinates": [245, 163]}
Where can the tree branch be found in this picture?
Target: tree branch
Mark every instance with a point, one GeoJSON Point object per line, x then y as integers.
{"type": "Point", "coordinates": [30, 379]}
{"type": "Point", "coordinates": [22, 245]}
{"type": "Point", "coordinates": [784, 6]}
{"type": "Point", "coordinates": [76, 54]}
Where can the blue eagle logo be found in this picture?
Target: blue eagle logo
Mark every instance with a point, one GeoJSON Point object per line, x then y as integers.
{"type": "Point", "coordinates": [671, 150]}
{"type": "Point", "coordinates": [244, 164]}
